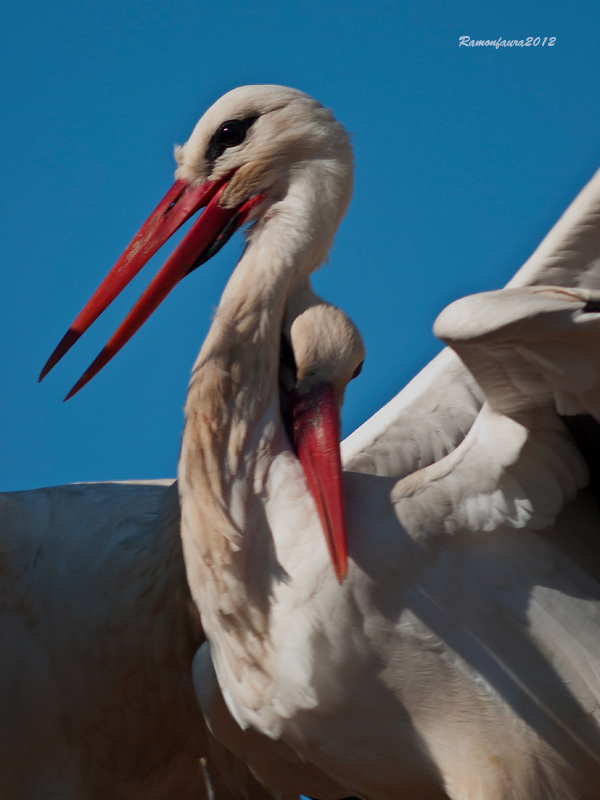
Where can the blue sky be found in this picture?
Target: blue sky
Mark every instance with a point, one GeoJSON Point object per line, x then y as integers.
{"type": "Point", "coordinates": [464, 159]}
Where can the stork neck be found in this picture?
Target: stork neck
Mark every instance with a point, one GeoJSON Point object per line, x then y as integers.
{"type": "Point", "coordinates": [285, 246]}
{"type": "Point", "coordinates": [233, 427]}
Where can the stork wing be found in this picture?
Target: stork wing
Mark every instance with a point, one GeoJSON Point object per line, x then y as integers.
{"type": "Point", "coordinates": [83, 626]}
{"type": "Point", "coordinates": [534, 351]}
{"type": "Point", "coordinates": [420, 425]}
{"type": "Point", "coordinates": [531, 347]}
{"type": "Point", "coordinates": [428, 418]}
{"type": "Point", "coordinates": [569, 255]}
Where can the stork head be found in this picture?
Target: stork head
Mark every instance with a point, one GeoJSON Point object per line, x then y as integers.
{"type": "Point", "coordinates": [258, 138]}
{"type": "Point", "coordinates": [328, 352]}
{"type": "Point", "coordinates": [251, 156]}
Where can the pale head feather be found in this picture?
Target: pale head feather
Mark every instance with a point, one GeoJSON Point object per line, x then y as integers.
{"type": "Point", "coordinates": [327, 348]}
{"type": "Point", "coordinates": [289, 126]}
{"type": "Point", "coordinates": [292, 135]}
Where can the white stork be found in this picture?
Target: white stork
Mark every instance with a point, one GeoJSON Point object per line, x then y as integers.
{"type": "Point", "coordinates": [98, 630]}
{"type": "Point", "coordinates": [458, 657]}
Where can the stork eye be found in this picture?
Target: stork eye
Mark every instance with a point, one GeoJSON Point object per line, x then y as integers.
{"type": "Point", "coordinates": [357, 371]}
{"type": "Point", "coordinates": [228, 134]}
{"type": "Point", "coordinates": [232, 133]}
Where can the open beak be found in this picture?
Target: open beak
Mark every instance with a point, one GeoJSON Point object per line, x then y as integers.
{"type": "Point", "coordinates": [207, 235]}
{"type": "Point", "coordinates": [316, 435]}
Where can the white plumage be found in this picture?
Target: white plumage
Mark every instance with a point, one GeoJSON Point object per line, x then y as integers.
{"type": "Point", "coordinates": [438, 668]}
{"type": "Point", "coordinates": [460, 657]}
{"type": "Point", "coordinates": [97, 635]}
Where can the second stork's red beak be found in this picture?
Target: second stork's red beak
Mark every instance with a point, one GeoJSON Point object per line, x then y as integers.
{"type": "Point", "coordinates": [199, 244]}
{"type": "Point", "coordinates": [316, 435]}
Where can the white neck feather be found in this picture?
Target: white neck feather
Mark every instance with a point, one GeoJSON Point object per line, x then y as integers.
{"type": "Point", "coordinates": [234, 433]}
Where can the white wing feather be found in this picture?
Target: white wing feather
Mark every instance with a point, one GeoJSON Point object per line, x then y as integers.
{"type": "Point", "coordinates": [533, 351]}
{"type": "Point", "coordinates": [428, 418]}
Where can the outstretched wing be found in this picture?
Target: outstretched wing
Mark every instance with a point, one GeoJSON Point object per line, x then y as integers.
{"type": "Point", "coordinates": [534, 351]}
{"type": "Point", "coordinates": [429, 418]}
{"type": "Point", "coordinates": [530, 347]}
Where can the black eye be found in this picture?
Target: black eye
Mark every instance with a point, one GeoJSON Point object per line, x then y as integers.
{"type": "Point", "coordinates": [228, 134]}
{"type": "Point", "coordinates": [231, 133]}
{"type": "Point", "coordinates": [357, 371]}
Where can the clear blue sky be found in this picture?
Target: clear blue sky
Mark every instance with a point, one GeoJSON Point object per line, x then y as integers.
{"type": "Point", "coordinates": [464, 159]}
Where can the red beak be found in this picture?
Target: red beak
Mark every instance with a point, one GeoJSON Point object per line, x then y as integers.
{"type": "Point", "coordinates": [316, 434]}
{"type": "Point", "coordinates": [212, 229]}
